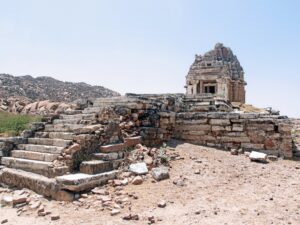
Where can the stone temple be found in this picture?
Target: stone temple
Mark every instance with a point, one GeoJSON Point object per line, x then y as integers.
{"type": "Point", "coordinates": [76, 150]}
{"type": "Point", "coordinates": [217, 73]}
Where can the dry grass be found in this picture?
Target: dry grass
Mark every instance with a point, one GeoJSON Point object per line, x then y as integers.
{"type": "Point", "coordinates": [13, 124]}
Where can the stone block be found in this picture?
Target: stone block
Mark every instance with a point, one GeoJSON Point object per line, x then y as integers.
{"type": "Point", "coordinates": [191, 122]}
{"type": "Point", "coordinates": [264, 127]}
{"type": "Point", "coordinates": [249, 115]}
{"type": "Point", "coordinates": [257, 136]}
{"type": "Point", "coordinates": [112, 148]}
{"type": "Point", "coordinates": [223, 115]}
{"type": "Point", "coordinates": [132, 141]}
{"type": "Point", "coordinates": [138, 168]}
{"type": "Point", "coordinates": [220, 122]}
{"type": "Point", "coordinates": [201, 132]}
{"type": "Point", "coordinates": [237, 127]}
{"type": "Point", "coordinates": [82, 182]}
{"type": "Point", "coordinates": [271, 144]}
{"type": "Point", "coordinates": [282, 128]}
{"type": "Point", "coordinates": [236, 134]}
{"type": "Point", "coordinates": [249, 146]}
{"type": "Point", "coordinates": [261, 121]}
{"type": "Point", "coordinates": [234, 139]}
{"type": "Point", "coordinates": [220, 128]}
{"type": "Point", "coordinates": [95, 166]}
{"type": "Point", "coordinates": [201, 127]}
{"type": "Point", "coordinates": [258, 157]}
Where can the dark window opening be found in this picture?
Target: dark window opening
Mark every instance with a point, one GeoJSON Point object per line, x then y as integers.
{"type": "Point", "coordinates": [210, 89]}
{"type": "Point", "coordinates": [208, 64]}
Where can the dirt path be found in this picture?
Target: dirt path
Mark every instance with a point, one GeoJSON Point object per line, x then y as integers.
{"type": "Point", "coordinates": [229, 190]}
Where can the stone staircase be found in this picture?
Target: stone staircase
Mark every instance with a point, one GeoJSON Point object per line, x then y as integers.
{"type": "Point", "coordinates": [36, 165]}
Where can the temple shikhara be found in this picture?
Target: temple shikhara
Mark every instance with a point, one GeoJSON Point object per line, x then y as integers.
{"type": "Point", "coordinates": [217, 73]}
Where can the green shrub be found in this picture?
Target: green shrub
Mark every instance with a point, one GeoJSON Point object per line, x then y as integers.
{"type": "Point", "coordinates": [14, 124]}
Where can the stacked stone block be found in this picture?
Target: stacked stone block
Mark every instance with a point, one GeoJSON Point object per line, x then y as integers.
{"type": "Point", "coordinates": [249, 131]}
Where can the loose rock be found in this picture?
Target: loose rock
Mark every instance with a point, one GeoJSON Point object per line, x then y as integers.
{"type": "Point", "coordinates": [258, 157]}
{"type": "Point", "coordinates": [55, 217]}
{"type": "Point", "coordinates": [139, 168]}
{"type": "Point", "coordinates": [160, 173]}
{"type": "Point", "coordinates": [162, 204]}
{"type": "Point", "coordinates": [137, 180]}
{"type": "Point", "coordinates": [114, 212]}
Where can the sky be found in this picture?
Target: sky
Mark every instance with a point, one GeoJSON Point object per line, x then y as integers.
{"type": "Point", "coordinates": [148, 46]}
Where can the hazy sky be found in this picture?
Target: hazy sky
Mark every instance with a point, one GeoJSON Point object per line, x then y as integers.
{"type": "Point", "coordinates": [146, 46]}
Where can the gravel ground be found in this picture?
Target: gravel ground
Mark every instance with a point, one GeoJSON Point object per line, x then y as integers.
{"type": "Point", "coordinates": [217, 188]}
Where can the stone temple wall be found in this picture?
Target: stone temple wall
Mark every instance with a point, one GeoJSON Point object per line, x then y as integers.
{"type": "Point", "coordinates": [159, 118]}
{"type": "Point", "coordinates": [158, 121]}
{"type": "Point", "coordinates": [249, 131]}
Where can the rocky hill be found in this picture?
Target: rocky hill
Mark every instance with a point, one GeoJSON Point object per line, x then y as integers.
{"type": "Point", "coordinates": [47, 88]}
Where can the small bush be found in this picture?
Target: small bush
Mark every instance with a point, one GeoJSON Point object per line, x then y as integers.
{"type": "Point", "coordinates": [14, 124]}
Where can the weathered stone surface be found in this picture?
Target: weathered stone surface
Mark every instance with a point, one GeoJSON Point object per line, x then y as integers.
{"type": "Point", "coordinates": [39, 167]}
{"type": "Point", "coordinates": [139, 168]}
{"type": "Point", "coordinates": [220, 122]}
{"type": "Point", "coordinates": [95, 166]}
{"type": "Point", "coordinates": [258, 157]}
{"type": "Point", "coordinates": [87, 129]}
{"type": "Point", "coordinates": [47, 157]}
{"type": "Point", "coordinates": [112, 148]}
{"type": "Point", "coordinates": [160, 173]}
{"type": "Point", "coordinates": [22, 179]}
{"type": "Point", "coordinates": [137, 180]}
{"type": "Point", "coordinates": [249, 146]}
{"type": "Point", "coordinates": [237, 127]}
{"type": "Point", "coordinates": [221, 128]}
{"type": "Point", "coordinates": [79, 182]}
{"type": "Point", "coordinates": [7, 200]}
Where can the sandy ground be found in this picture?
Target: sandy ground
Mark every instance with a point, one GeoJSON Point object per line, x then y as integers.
{"type": "Point", "coordinates": [229, 190]}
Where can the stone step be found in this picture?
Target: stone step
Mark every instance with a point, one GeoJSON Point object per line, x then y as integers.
{"type": "Point", "coordinates": [95, 166]}
{"type": "Point", "coordinates": [23, 179]}
{"type": "Point", "coordinates": [72, 112]}
{"type": "Point", "coordinates": [55, 135]}
{"type": "Point", "coordinates": [90, 110]}
{"type": "Point", "coordinates": [66, 121]}
{"type": "Point", "coordinates": [41, 134]}
{"type": "Point", "coordinates": [84, 182]}
{"type": "Point", "coordinates": [62, 127]}
{"type": "Point", "coordinates": [39, 167]}
{"type": "Point", "coordinates": [115, 99]}
{"type": "Point", "coordinates": [108, 156]}
{"type": "Point", "coordinates": [47, 157]}
{"type": "Point", "coordinates": [61, 135]}
{"type": "Point", "coordinates": [78, 117]}
{"type": "Point", "coordinates": [41, 148]}
{"type": "Point", "coordinates": [49, 141]}
{"type": "Point", "coordinates": [112, 148]}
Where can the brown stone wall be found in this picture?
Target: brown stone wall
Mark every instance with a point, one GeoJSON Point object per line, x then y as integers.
{"type": "Point", "coordinates": [270, 134]}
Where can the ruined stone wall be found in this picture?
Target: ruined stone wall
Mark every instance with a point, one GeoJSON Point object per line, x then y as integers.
{"type": "Point", "coordinates": [249, 131]}
{"type": "Point", "coordinates": [159, 118]}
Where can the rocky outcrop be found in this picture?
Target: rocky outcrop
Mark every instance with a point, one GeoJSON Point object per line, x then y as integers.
{"type": "Point", "coordinates": [47, 88]}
